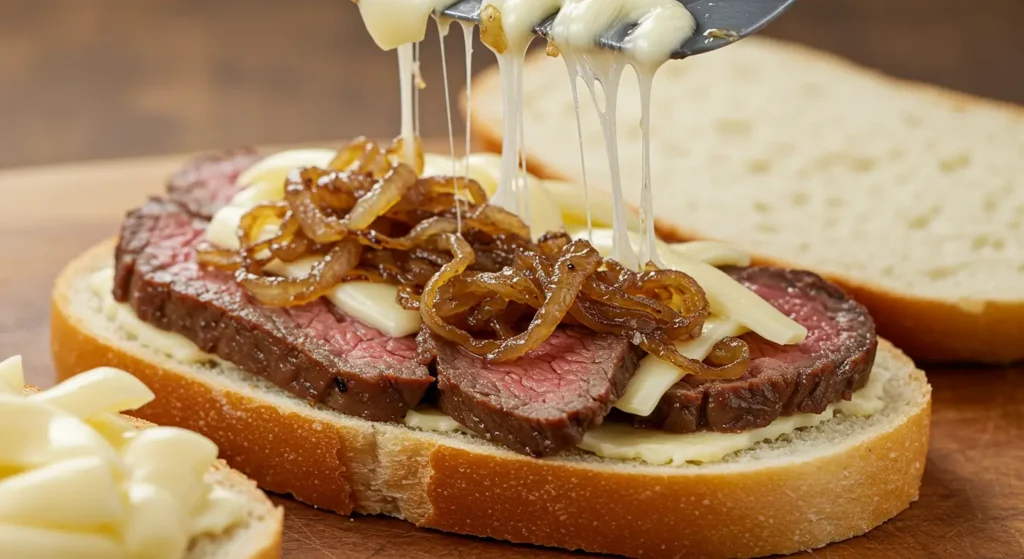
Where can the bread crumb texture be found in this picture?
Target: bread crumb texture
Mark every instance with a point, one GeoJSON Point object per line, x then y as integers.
{"type": "Point", "coordinates": [921, 188]}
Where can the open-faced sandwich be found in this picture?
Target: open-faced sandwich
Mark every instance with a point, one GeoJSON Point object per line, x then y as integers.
{"type": "Point", "coordinates": [440, 339]}
{"type": "Point", "coordinates": [79, 480]}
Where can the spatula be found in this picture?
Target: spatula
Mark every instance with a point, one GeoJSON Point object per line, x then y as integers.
{"type": "Point", "coordinates": [719, 22]}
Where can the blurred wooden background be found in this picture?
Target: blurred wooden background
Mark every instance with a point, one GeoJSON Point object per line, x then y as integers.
{"type": "Point", "coordinates": [105, 78]}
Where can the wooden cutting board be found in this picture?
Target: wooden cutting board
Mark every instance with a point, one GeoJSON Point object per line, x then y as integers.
{"type": "Point", "coordinates": [972, 500]}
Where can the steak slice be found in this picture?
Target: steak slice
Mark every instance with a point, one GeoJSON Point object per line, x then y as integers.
{"type": "Point", "coordinates": [541, 403]}
{"type": "Point", "coordinates": [207, 182]}
{"type": "Point", "coordinates": [312, 351]}
{"type": "Point", "coordinates": [834, 360]}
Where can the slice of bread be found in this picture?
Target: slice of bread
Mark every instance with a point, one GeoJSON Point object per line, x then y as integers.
{"type": "Point", "coordinates": [258, 536]}
{"type": "Point", "coordinates": [908, 196]}
{"type": "Point", "coordinates": [777, 497]}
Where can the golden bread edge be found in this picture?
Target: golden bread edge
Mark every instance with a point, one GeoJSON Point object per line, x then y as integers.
{"type": "Point", "coordinates": [928, 329]}
{"type": "Point", "coordinates": [355, 467]}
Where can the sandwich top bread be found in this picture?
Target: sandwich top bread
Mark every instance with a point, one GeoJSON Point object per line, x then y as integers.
{"type": "Point", "coordinates": [908, 196]}
{"type": "Point", "coordinates": [79, 480]}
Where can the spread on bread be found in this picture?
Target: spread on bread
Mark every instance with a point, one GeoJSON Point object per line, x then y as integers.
{"type": "Point", "coordinates": [78, 480]}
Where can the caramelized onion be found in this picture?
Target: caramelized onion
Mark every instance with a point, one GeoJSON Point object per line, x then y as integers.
{"type": "Point", "coordinates": [326, 273]}
{"type": "Point", "coordinates": [577, 261]}
{"type": "Point", "coordinates": [488, 287]}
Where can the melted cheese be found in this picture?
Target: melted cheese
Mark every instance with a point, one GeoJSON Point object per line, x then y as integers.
{"type": "Point", "coordinates": [545, 211]}
{"type": "Point", "coordinates": [123, 316]}
{"type": "Point", "coordinates": [266, 177]}
{"type": "Point", "coordinates": [371, 303]}
{"type": "Point", "coordinates": [426, 418]}
{"type": "Point", "coordinates": [393, 23]}
{"type": "Point", "coordinates": [624, 442]}
{"type": "Point", "coordinates": [654, 376]}
{"type": "Point", "coordinates": [658, 447]}
{"type": "Point", "coordinates": [69, 489]}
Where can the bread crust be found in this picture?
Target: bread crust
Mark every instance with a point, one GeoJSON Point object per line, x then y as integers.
{"type": "Point", "coordinates": [471, 487]}
{"type": "Point", "coordinates": [928, 329]}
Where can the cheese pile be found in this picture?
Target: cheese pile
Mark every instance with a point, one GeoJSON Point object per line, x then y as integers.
{"type": "Point", "coordinates": [78, 480]}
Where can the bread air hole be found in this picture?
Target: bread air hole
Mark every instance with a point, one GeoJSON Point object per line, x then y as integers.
{"type": "Point", "coordinates": [733, 127]}
{"type": "Point", "coordinates": [982, 242]}
{"type": "Point", "coordinates": [944, 272]}
{"type": "Point", "coordinates": [954, 163]}
{"type": "Point", "coordinates": [919, 222]}
{"type": "Point", "coordinates": [759, 166]}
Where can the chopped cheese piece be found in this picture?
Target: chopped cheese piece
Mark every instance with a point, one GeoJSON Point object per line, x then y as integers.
{"type": "Point", "coordinates": [48, 543]}
{"type": "Point", "coordinates": [105, 389]}
{"type": "Point", "coordinates": [655, 376]}
{"type": "Point", "coordinates": [272, 171]}
{"type": "Point", "coordinates": [11, 377]}
{"type": "Point", "coordinates": [372, 303]}
{"type": "Point", "coordinates": [429, 419]}
{"type": "Point", "coordinates": [57, 494]}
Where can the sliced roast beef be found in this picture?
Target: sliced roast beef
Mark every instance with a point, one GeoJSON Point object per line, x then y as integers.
{"type": "Point", "coordinates": [206, 183]}
{"type": "Point", "coordinates": [310, 350]}
{"type": "Point", "coordinates": [834, 360]}
{"type": "Point", "coordinates": [539, 404]}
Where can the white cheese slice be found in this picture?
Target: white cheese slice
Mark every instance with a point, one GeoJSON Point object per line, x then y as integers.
{"type": "Point", "coordinates": [375, 304]}
{"type": "Point", "coordinates": [429, 419]}
{"type": "Point", "coordinates": [174, 345]}
{"type": "Point", "coordinates": [371, 303]}
{"type": "Point", "coordinates": [654, 376]}
{"type": "Point", "coordinates": [272, 171]}
{"type": "Point", "coordinates": [715, 253]}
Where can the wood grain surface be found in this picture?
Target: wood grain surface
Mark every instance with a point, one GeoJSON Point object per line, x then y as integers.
{"type": "Point", "coordinates": [972, 501]}
{"type": "Point", "coordinates": [83, 79]}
